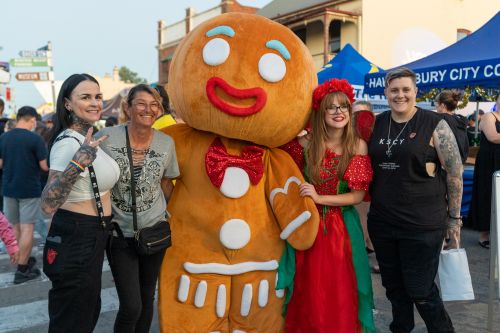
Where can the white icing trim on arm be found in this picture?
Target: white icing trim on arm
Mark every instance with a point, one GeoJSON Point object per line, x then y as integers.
{"type": "Point", "coordinates": [283, 189]}
{"type": "Point", "coordinates": [295, 224]}
{"type": "Point", "coordinates": [223, 269]}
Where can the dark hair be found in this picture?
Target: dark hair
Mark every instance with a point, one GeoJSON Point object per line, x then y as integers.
{"type": "Point", "coordinates": [111, 121]}
{"type": "Point", "coordinates": [2, 104]}
{"type": "Point", "coordinates": [165, 101]}
{"type": "Point", "coordinates": [449, 98]}
{"type": "Point", "coordinates": [63, 120]}
{"type": "Point", "coordinates": [399, 73]}
{"type": "Point", "coordinates": [26, 113]}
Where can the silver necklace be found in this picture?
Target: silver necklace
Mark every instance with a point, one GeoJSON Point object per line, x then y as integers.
{"type": "Point", "coordinates": [389, 146]}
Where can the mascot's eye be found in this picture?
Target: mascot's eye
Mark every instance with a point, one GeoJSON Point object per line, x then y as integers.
{"type": "Point", "coordinates": [272, 67]}
{"type": "Point", "coordinates": [216, 52]}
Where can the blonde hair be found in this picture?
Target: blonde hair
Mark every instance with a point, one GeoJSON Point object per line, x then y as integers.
{"type": "Point", "coordinates": [319, 135]}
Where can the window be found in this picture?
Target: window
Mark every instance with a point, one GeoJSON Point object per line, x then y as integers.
{"type": "Point", "coordinates": [301, 33]}
{"type": "Point", "coordinates": [334, 34]}
{"type": "Point", "coordinates": [462, 33]}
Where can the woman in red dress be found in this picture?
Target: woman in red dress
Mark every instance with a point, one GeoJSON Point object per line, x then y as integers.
{"type": "Point", "coordinates": [332, 288]}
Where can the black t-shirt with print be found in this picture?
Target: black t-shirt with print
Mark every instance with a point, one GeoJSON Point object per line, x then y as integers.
{"type": "Point", "coordinates": [403, 193]}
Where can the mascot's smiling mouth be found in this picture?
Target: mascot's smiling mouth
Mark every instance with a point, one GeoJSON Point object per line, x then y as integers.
{"type": "Point", "coordinates": [257, 93]}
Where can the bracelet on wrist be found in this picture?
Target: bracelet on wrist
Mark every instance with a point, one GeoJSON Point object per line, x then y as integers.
{"type": "Point", "coordinates": [455, 217]}
{"type": "Point", "coordinates": [77, 165]}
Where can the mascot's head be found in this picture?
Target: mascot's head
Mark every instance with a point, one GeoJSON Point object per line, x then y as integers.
{"type": "Point", "coordinates": [245, 77]}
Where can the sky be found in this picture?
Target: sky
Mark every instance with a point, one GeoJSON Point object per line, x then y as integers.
{"type": "Point", "coordinates": [90, 36]}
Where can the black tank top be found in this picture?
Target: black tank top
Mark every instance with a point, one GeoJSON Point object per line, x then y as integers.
{"type": "Point", "coordinates": [403, 194]}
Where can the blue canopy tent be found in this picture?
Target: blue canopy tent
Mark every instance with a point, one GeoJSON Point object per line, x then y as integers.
{"type": "Point", "coordinates": [472, 61]}
{"type": "Point", "coordinates": [347, 64]}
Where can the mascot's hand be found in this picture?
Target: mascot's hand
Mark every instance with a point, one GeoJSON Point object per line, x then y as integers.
{"type": "Point", "coordinates": [297, 215]}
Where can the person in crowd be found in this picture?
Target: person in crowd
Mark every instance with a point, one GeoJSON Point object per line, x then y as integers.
{"type": "Point", "coordinates": [111, 121]}
{"type": "Point", "coordinates": [8, 237]}
{"type": "Point", "coordinates": [416, 195]}
{"type": "Point", "coordinates": [363, 207]}
{"type": "Point", "coordinates": [332, 287]}
{"type": "Point", "coordinates": [471, 128]}
{"type": "Point", "coordinates": [74, 249]}
{"type": "Point", "coordinates": [487, 162]}
{"type": "Point", "coordinates": [22, 156]}
{"type": "Point", "coordinates": [154, 164]}
{"type": "Point", "coordinates": [3, 122]}
{"type": "Point", "coordinates": [10, 124]}
{"type": "Point", "coordinates": [446, 104]}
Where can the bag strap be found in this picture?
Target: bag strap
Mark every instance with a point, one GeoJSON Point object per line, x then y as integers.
{"type": "Point", "coordinates": [93, 180]}
{"type": "Point", "coordinates": [132, 180]}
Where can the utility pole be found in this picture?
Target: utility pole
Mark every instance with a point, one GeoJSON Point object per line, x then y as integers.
{"type": "Point", "coordinates": [51, 73]}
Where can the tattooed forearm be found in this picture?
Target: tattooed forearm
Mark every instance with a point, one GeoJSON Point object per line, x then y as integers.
{"type": "Point", "coordinates": [449, 155]}
{"type": "Point", "coordinates": [59, 184]}
{"type": "Point", "coordinates": [58, 187]}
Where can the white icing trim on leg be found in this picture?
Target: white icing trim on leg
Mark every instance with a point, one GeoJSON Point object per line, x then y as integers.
{"type": "Point", "coordinates": [279, 292]}
{"type": "Point", "coordinates": [246, 300]}
{"type": "Point", "coordinates": [201, 293]}
{"type": "Point", "coordinates": [295, 224]}
{"type": "Point", "coordinates": [235, 269]}
{"type": "Point", "coordinates": [239, 331]}
{"type": "Point", "coordinates": [182, 293]}
{"type": "Point", "coordinates": [263, 293]}
{"type": "Point", "coordinates": [283, 189]}
{"type": "Point", "coordinates": [220, 305]}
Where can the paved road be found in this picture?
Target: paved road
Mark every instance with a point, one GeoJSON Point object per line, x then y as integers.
{"type": "Point", "coordinates": [23, 308]}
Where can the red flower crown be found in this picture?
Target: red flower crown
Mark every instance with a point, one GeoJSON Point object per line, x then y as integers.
{"type": "Point", "coordinates": [330, 86]}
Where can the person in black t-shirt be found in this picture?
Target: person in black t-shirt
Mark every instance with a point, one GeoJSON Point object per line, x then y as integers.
{"type": "Point", "coordinates": [416, 195]}
{"type": "Point", "coordinates": [446, 104]}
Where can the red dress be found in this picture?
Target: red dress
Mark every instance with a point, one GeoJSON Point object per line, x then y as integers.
{"type": "Point", "coordinates": [325, 297]}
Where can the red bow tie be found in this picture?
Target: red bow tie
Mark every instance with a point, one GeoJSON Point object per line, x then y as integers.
{"type": "Point", "coordinates": [217, 160]}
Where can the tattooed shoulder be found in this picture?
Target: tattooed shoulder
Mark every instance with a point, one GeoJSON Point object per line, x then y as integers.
{"type": "Point", "coordinates": [446, 146]}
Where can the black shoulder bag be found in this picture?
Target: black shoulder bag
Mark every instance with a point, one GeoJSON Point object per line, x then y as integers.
{"type": "Point", "coordinates": [152, 239]}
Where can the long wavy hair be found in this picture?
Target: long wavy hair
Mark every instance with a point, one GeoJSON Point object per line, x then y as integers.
{"type": "Point", "coordinates": [63, 119]}
{"type": "Point", "coordinates": [319, 136]}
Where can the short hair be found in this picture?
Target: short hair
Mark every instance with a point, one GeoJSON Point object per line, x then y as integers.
{"type": "Point", "coordinates": [399, 73]}
{"type": "Point", "coordinates": [26, 113]}
{"type": "Point", "coordinates": [368, 105]}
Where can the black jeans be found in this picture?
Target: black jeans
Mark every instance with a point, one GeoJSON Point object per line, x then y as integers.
{"type": "Point", "coordinates": [408, 265]}
{"type": "Point", "coordinates": [72, 259]}
{"type": "Point", "coordinates": [135, 279]}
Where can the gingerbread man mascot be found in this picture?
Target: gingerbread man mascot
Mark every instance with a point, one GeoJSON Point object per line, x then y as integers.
{"type": "Point", "coordinates": [243, 86]}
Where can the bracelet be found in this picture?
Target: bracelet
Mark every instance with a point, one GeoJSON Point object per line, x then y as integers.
{"type": "Point", "coordinates": [77, 165]}
{"type": "Point", "coordinates": [455, 217]}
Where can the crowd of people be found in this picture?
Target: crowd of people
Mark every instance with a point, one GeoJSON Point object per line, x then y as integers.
{"type": "Point", "coordinates": [402, 172]}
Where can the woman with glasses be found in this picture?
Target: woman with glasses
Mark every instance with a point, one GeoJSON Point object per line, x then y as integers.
{"type": "Point", "coordinates": [154, 164]}
{"type": "Point", "coordinates": [332, 287]}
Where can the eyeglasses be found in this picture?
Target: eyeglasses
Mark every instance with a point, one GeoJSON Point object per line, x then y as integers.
{"type": "Point", "coordinates": [333, 109]}
{"type": "Point", "coordinates": [141, 106]}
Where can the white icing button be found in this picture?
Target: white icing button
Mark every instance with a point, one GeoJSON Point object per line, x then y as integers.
{"type": "Point", "coordinates": [234, 234]}
{"type": "Point", "coordinates": [235, 183]}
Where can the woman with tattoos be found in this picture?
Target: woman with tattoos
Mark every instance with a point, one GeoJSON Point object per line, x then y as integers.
{"type": "Point", "coordinates": [154, 164]}
{"type": "Point", "coordinates": [416, 195]}
{"type": "Point", "coordinates": [74, 249]}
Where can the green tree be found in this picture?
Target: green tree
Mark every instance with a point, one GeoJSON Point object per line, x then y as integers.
{"type": "Point", "coordinates": [129, 76]}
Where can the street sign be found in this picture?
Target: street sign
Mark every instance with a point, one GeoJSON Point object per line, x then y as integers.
{"type": "Point", "coordinates": [33, 76]}
{"type": "Point", "coordinates": [29, 62]}
{"type": "Point", "coordinates": [33, 54]}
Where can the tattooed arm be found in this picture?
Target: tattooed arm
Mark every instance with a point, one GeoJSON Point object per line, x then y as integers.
{"type": "Point", "coordinates": [449, 155]}
{"type": "Point", "coordinates": [60, 183]}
